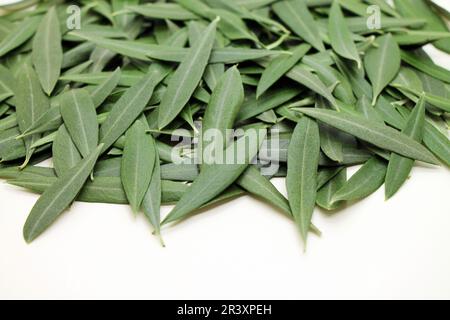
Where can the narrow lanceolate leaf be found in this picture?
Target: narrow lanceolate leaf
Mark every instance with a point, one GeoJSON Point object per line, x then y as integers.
{"type": "Point", "coordinates": [123, 21]}
{"type": "Point", "coordinates": [359, 24]}
{"type": "Point", "coordinates": [363, 183]}
{"type": "Point", "coordinates": [137, 164]}
{"type": "Point", "coordinates": [6, 83]}
{"type": "Point", "coordinates": [214, 71]}
{"type": "Point", "coordinates": [382, 64]}
{"type": "Point", "coordinates": [236, 55]}
{"type": "Point", "coordinates": [170, 11]}
{"type": "Point", "coordinates": [423, 9]}
{"type": "Point", "coordinates": [58, 197]}
{"type": "Point", "coordinates": [340, 35]}
{"type": "Point", "coordinates": [78, 113]}
{"type": "Point", "coordinates": [256, 184]}
{"type": "Point", "coordinates": [65, 153]}
{"type": "Point", "coordinates": [127, 48]}
{"type": "Point", "coordinates": [407, 78]}
{"type": "Point", "coordinates": [48, 121]}
{"type": "Point", "coordinates": [279, 67]}
{"type": "Point", "coordinates": [101, 92]}
{"type": "Point", "coordinates": [186, 78]}
{"type": "Point", "coordinates": [379, 135]}
{"type": "Point", "coordinates": [151, 205]}
{"type": "Point", "coordinates": [273, 98]}
{"type": "Point", "coordinates": [179, 172]}
{"type": "Point", "coordinates": [425, 65]}
{"type": "Point", "coordinates": [222, 110]}
{"type": "Point", "coordinates": [303, 163]}
{"type": "Point", "coordinates": [437, 142]}
{"type": "Point", "coordinates": [30, 171]}
{"type": "Point", "coordinates": [385, 7]}
{"type": "Point", "coordinates": [400, 167]}
{"type": "Point", "coordinates": [231, 25]}
{"type": "Point", "coordinates": [365, 108]}
{"type": "Point", "coordinates": [330, 142]}
{"type": "Point", "coordinates": [296, 15]}
{"type": "Point", "coordinates": [143, 51]}
{"type": "Point", "coordinates": [410, 37]}
{"type": "Point", "coordinates": [312, 82]}
{"type": "Point", "coordinates": [101, 190]}
{"type": "Point", "coordinates": [47, 51]}
{"type": "Point", "coordinates": [325, 175]}
{"type": "Point", "coordinates": [332, 78]}
{"type": "Point", "coordinates": [8, 122]}
{"type": "Point", "coordinates": [215, 179]}
{"type": "Point", "coordinates": [19, 35]}
{"type": "Point", "coordinates": [326, 193]}
{"type": "Point", "coordinates": [31, 103]}
{"type": "Point", "coordinates": [130, 106]}
{"type": "Point", "coordinates": [10, 147]}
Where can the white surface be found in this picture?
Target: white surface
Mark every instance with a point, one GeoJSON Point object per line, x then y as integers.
{"type": "Point", "coordinates": [375, 249]}
{"type": "Point", "coordinates": [241, 250]}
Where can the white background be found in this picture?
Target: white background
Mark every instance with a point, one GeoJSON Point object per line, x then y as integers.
{"type": "Point", "coordinates": [240, 250]}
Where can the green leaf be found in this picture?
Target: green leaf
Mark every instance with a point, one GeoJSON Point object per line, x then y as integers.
{"type": "Point", "coordinates": [441, 103]}
{"type": "Point", "coordinates": [137, 164]}
{"type": "Point", "coordinates": [382, 64]}
{"type": "Point", "coordinates": [127, 79]}
{"type": "Point", "coordinates": [179, 172]}
{"type": "Point", "coordinates": [256, 184]}
{"type": "Point", "coordinates": [326, 193]}
{"type": "Point", "coordinates": [31, 103]}
{"type": "Point", "coordinates": [303, 163]}
{"type": "Point", "coordinates": [222, 110]}
{"type": "Point", "coordinates": [186, 78]}
{"type": "Point", "coordinates": [8, 122]}
{"type": "Point", "coordinates": [123, 21]}
{"type": "Point", "coordinates": [101, 92]}
{"type": "Point", "coordinates": [437, 143]}
{"type": "Point", "coordinates": [232, 55]}
{"type": "Point", "coordinates": [65, 153]}
{"type": "Point", "coordinates": [425, 65]}
{"type": "Point", "coordinates": [130, 106]}
{"type": "Point", "coordinates": [10, 147]}
{"type": "Point", "coordinates": [58, 197]}
{"type": "Point", "coordinates": [368, 111]}
{"type": "Point", "coordinates": [101, 190]}
{"type": "Point", "coordinates": [19, 35]}
{"type": "Point", "coordinates": [279, 67]}
{"type": "Point", "coordinates": [78, 113]}
{"type": "Point", "coordinates": [359, 24]}
{"type": "Point", "coordinates": [170, 11]}
{"type": "Point", "coordinates": [340, 35]}
{"type": "Point", "coordinates": [330, 142]}
{"type": "Point", "coordinates": [49, 121]}
{"type": "Point", "coordinates": [331, 77]}
{"type": "Point", "coordinates": [411, 37]}
{"type": "Point", "coordinates": [77, 55]}
{"type": "Point", "coordinates": [400, 167]}
{"type": "Point", "coordinates": [152, 200]}
{"type": "Point", "coordinates": [214, 179]}
{"type": "Point", "coordinates": [423, 10]}
{"type": "Point", "coordinates": [380, 135]}
{"type": "Point", "coordinates": [30, 171]}
{"type": "Point", "coordinates": [272, 99]}
{"type": "Point", "coordinates": [47, 51]}
{"type": "Point", "coordinates": [6, 83]}
{"type": "Point", "coordinates": [363, 183]}
{"type": "Point", "coordinates": [312, 82]}
{"type": "Point", "coordinates": [296, 15]}
{"type": "Point", "coordinates": [143, 51]}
